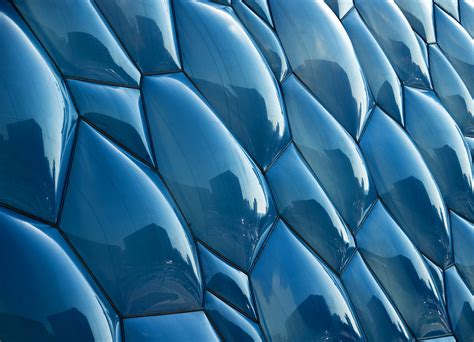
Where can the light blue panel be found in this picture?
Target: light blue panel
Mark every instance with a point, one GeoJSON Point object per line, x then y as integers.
{"type": "Point", "coordinates": [457, 45]}
{"type": "Point", "coordinates": [298, 299]}
{"type": "Point", "coordinates": [37, 120]}
{"type": "Point", "coordinates": [330, 152]}
{"type": "Point", "coordinates": [380, 320]}
{"type": "Point", "coordinates": [402, 272]}
{"type": "Point", "coordinates": [190, 326]}
{"type": "Point", "coordinates": [304, 205]}
{"type": "Point", "coordinates": [265, 38]}
{"type": "Point", "coordinates": [222, 60]}
{"type": "Point", "coordinates": [46, 294]}
{"type": "Point", "coordinates": [321, 54]}
{"type": "Point", "coordinates": [79, 40]}
{"type": "Point", "coordinates": [450, 6]}
{"type": "Point", "coordinates": [232, 325]}
{"type": "Point", "coordinates": [381, 77]}
{"type": "Point", "coordinates": [115, 110]}
{"type": "Point", "coordinates": [466, 8]}
{"type": "Point", "coordinates": [227, 282]}
{"type": "Point", "coordinates": [404, 182]}
{"type": "Point", "coordinates": [220, 190]}
{"type": "Point", "coordinates": [146, 29]}
{"type": "Point", "coordinates": [419, 14]}
{"type": "Point", "coordinates": [451, 91]}
{"type": "Point", "coordinates": [442, 146]}
{"type": "Point", "coordinates": [340, 7]}
{"type": "Point", "coordinates": [463, 242]}
{"type": "Point", "coordinates": [394, 34]}
{"type": "Point", "coordinates": [119, 217]}
{"type": "Point", "coordinates": [460, 306]}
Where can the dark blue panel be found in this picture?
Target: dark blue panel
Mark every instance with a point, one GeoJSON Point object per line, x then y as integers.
{"type": "Point", "coordinates": [116, 111]}
{"type": "Point", "coordinates": [404, 182]}
{"type": "Point", "coordinates": [437, 276]}
{"type": "Point", "coordinates": [146, 28]}
{"type": "Point", "coordinates": [230, 71]}
{"type": "Point", "coordinates": [463, 243]}
{"type": "Point", "coordinates": [382, 79]}
{"type": "Point", "coordinates": [222, 193]}
{"type": "Point", "coordinates": [380, 320]}
{"type": "Point", "coordinates": [402, 272]}
{"type": "Point", "coordinates": [457, 45]}
{"type": "Point", "coordinates": [304, 205]}
{"type": "Point", "coordinates": [442, 146]}
{"type": "Point", "coordinates": [451, 90]}
{"type": "Point", "coordinates": [395, 36]}
{"type": "Point", "coordinates": [298, 299]}
{"type": "Point", "coordinates": [420, 16]}
{"type": "Point", "coordinates": [191, 326]}
{"type": "Point", "coordinates": [330, 152]}
{"type": "Point", "coordinates": [265, 38]}
{"type": "Point", "coordinates": [79, 40]}
{"type": "Point", "coordinates": [322, 56]}
{"type": "Point", "coordinates": [46, 295]}
{"type": "Point", "coordinates": [460, 306]}
{"type": "Point", "coordinates": [118, 215]}
{"type": "Point", "coordinates": [232, 325]}
{"type": "Point", "coordinates": [450, 6]}
{"type": "Point", "coordinates": [227, 282]}
{"type": "Point", "coordinates": [37, 121]}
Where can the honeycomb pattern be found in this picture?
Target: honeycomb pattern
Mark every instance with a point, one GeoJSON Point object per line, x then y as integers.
{"type": "Point", "coordinates": [177, 170]}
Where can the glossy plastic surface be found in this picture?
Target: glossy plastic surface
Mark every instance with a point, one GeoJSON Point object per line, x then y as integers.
{"type": "Point", "coordinates": [340, 7]}
{"type": "Point", "coordinates": [330, 152]}
{"type": "Point", "coordinates": [394, 34]}
{"type": "Point", "coordinates": [457, 45]}
{"type": "Point", "coordinates": [304, 205]}
{"type": "Point", "coordinates": [404, 181]}
{"type": "Point", "coordinates": [260, 7]}
{"type": "Point", "coordinates": [451, 91]}
{"type": "Point", "coordinates": [46, 294]}
{"type": "Point", "coordinates": [466, 9]}
{"type": "Point", "coordinates": [381, 77]}
{"type": "Point", "coordinates": [189, 326]}
{"type": "Point", "coordinates": [420, 16]}
{"type": "Point", "coordinates": [231, 324]}
{"type": "Point", "coordinates": [265, 38]}
{"type": "Point", "coordinates": [115, 110]}
{"type": "Point", "coordinates": [450, 6]}
{"type": "Point", "coordinates": [37, 120]}
{"type": "Point", "coordinates": [442, 147]}
{"type": "Point", "coordinates": [322, 56]}
{"type": "Point", "coordinates": [221, 192]}
{"type": "Point", "coordinates": [460, 306]}
{"type": "Point", "coordinates": [226, 282]}
{"type": "Point", "coordinates": [79, 41]}
{"type": "Point", "coordinates": [402, 272]}
{"type": "Point", "coordinates": [377, 315]}
{"type": "Point", "coordinates": [119, 217]}
{"type": "Point", "coordinates": [463, 240]}
{"type": "Point", "coordinates": [238, 83]}
{"type": "Point", "coordinates": [309, 290]}
{"type": "Point", "coordinates": [146, 29]}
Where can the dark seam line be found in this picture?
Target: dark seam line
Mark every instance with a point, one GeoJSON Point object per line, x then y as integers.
{"type": "Point", "coordinates": [94, 278]}
{"type": "Point", "coordinates": [263, 244]}
{"type": "Point", "coordinates": [221, 257]}
{"type": "Point", "coordinates": [277, 156]}
{"type": "Point", "coordinates": [163, 313]}
{"type": "Point", "coordinates": [27, 214]}
{"type": "Point", "coordinates": [367, 214]}
{"type": "Point", "coordinates": [385, 293]}
{"type": "Point", "coordinates": [227, 302]}
{"type": "Point", "coordinates": [214, 326]}
{"type": "Point", "coordinates": [105, 83]}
